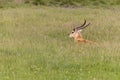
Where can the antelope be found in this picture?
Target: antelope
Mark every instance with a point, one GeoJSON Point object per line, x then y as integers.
{"type": "Point", "coordinates": [76, 34]}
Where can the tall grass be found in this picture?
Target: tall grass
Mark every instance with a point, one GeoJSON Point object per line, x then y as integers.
{"type": "Point", "coordinates": [35, 45]}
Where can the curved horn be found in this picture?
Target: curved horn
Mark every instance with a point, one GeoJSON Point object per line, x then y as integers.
{"type": "Point", "coordinates": [81, 25]}
{"type": "Point", "coordinates": [85, 26]}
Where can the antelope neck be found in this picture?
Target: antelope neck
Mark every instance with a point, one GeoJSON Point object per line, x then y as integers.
{"type": "Point", "coordinates": [78, 37]}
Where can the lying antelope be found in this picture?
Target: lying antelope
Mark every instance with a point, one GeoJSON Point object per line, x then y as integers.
{"type": "Point", "coordinates": [76, 34]}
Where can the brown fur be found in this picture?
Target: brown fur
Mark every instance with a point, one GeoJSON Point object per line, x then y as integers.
{"type": "Point", "coordinates": [79, 39]}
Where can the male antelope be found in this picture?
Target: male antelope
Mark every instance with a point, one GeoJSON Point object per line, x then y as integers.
{"type": "Point", "coordinates": [76, 34]}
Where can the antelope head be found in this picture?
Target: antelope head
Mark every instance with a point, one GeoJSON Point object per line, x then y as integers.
{"type": "Point", "coordinates": [76, 31]}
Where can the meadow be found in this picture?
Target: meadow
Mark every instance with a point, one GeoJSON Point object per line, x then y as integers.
{"type": "Point", "coordinates": [34, 44]}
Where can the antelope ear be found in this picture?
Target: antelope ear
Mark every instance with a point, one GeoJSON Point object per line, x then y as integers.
{"type": "Point", "coordinates": [74, 30]}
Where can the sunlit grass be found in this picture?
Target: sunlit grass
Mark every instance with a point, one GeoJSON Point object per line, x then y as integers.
{"type": "Point", "coordinates": [34, 44]}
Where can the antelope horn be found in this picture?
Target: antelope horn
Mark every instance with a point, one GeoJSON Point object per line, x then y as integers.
{"type": "Point", "coordinates": [85, 26]}
{"type": "Point", "coordinates": [77, 28]}
{"type": "Point", "coordinates": [81, 25]}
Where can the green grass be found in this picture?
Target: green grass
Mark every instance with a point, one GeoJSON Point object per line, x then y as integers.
{"type": "Point", "coordinates": [34, 44]}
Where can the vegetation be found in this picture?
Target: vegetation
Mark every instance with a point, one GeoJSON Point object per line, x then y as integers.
{"type": "Point", "coordinates": [35, 45]}
{"type": "Point", "coordinates": [64, 3]}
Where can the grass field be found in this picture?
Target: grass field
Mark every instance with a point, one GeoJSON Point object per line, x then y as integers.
{"type": "Point", "coordinates": [34, 44]}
